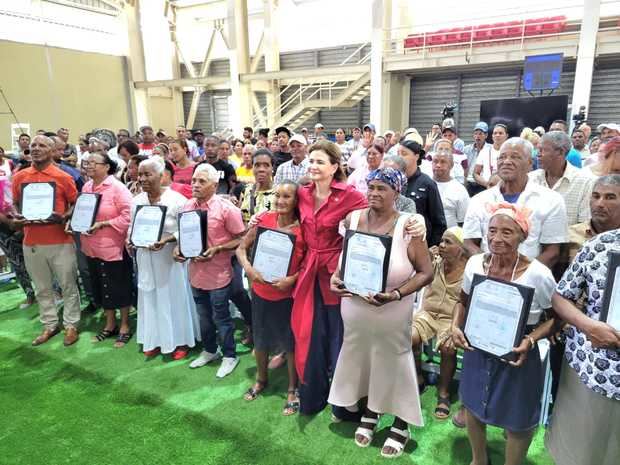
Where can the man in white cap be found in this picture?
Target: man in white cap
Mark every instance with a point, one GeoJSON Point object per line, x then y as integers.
{"type": "Point", "coordinates": [295, 168]}
{"type": "Point", "coordinates": [358, 158]}
{"type": "Point", "coordinates": [481, 130]}
{"type": "Point", "coordinates": [356, 140]}
{"type": "Point", "coordinates": [318, 133]}
{"type": "Point", "coordinates": [608, 130]}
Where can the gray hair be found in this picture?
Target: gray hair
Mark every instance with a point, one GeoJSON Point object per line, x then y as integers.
{"type": "Point", "coordinates": [397, 160]}
{"type": "Point", "coordinates": [559, 140]}
{"type": "Point", "coordinates": [523, 144]}
{"type": "Point", "coordinates": [212, 174]}
{"type": "Point", "coordinates": [608, 180]}
{"type": "Point", "coordinates": [155, 163]}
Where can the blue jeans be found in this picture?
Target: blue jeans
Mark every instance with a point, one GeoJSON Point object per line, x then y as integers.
{"type": "Point", "coordinates": [214, 314]}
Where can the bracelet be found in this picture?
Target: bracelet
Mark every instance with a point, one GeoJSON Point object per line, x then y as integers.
{"type": "Point", "coordinates": [400, 296]}
{"type": "Point", "coordinates": [531, 339]}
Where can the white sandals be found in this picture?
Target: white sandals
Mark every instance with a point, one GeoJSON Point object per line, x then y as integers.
{"type": "Point", "coordinates": [366, 433]}
{"type": "Point", "coordinates": [398, 446]}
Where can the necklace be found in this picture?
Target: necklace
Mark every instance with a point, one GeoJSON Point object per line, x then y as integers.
{"type": "Point", "coordinates": [514, 269]}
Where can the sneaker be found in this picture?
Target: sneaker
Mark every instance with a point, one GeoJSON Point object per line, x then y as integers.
{"type": "Point", "coordinates": [204, 358]}
{"type": "Point", "coordinates": [227, 366]}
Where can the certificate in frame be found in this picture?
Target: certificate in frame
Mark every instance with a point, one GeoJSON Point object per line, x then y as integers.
{"type": "Point", "coordinates": [85, 211]}
{"type": "Point", "coordinates": [145, 235]}
{"type": "Point", "coordinates": [610, 311]}
{"type": "Point", "coordinates": [496, 315]}
{"type": "Point", "coordinates": [35, 197]}
{"type": "Point", "coordinates": [188, 222]}
{"type": "Point", "coordinates": [272, 253]}
{"type": "Point", "coordinates": [365, 262]}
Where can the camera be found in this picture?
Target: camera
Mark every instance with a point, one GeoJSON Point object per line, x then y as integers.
{"type": "Point", "coordinates": [580, 117]}
{"type": "Point", "coordinates": [448, 110]}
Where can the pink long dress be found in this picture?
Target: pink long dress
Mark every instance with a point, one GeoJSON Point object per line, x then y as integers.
{"type": "Point", "coordinates": [376, 359]}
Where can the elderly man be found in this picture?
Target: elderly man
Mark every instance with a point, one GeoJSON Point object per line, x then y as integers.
{"type": "Point", "coordinates": [49, 252]}
{"type": "Point", "coordinates": [69, 149]}
{"type": "Point", "coordinates": [471, 151]}
{"type": "Point", "coordinates": [454, 196]}
{"type": "Point", "coordinates": [608, 130]}
{"type": "Point", "coordinates": [211, 274]}
{"type": "Point", "coordinates": [295, 168]}
{"type": "Point", "coordinates": [573, 156]}
{"type": "Point", "coordinates": [555, 173]}
{"type": "Point", "coordinates": [589, 387]}
{"type": "Point", "coordinates": [548, 214]}
{"type": "Point", "coordinates": [403, 204]}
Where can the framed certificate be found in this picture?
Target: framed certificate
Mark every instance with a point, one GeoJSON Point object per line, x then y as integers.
{"type": "Point", "coordinates": [497, 314]}
{"type": "Point", "coordinates": [365, 262]}
{"type": "Point", "coordinates": [37, 200]}
{"type": "Point", "coordinates": [272, 253]}
{"type": "Point", "coordinates": [85, 211]}
{"type": "Point", "coordinates": [610, 312]}
{"type": "Point", "coordinates": [148, 224]}
{"type": "Point", "coordinates": [192, 233]}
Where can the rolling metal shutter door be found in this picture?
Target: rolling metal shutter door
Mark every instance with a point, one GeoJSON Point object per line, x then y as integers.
{"type": "Point", "coordinates": [605, 96]}
{"type": "Point", "coordinates": [220, 111]}
{"type": "Point", "coordinates": [204, 118]}
{"type": "Point", "coordinates": [428, 97]}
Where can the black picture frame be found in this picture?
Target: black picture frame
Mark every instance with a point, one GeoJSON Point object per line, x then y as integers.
{"type": "Point", "coordinates": [527, 293]}
{"type": "Point", "coordinates": [613, 263]}
{"type": "Point", "coordinates": [21, 196]}
{"type": "Point", "coordinates": [385, 240]}
{"type": "Point", "coordinates": [95, 211]}
{"type": "Point", "coordinates": [163, 209]}
{"type": "Point", "coordinates": [260, 230]}
{"type": "Point", "coordinates": [203, 230]}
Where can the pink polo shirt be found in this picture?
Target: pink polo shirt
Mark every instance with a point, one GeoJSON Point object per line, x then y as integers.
{"type": "Point", "coordinates": [223, 224]}
{"type": "Point", "coordinates": [108, 242]}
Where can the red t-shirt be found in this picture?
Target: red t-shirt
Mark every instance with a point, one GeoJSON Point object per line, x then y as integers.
{"type": "Point", "coordinates": [184, 175]}
{"type": "Point", "coordinates": [267, 291]}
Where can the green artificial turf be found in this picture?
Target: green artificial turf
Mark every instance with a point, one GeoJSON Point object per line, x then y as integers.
{"type": "Point", "coordinates": [93, 404]}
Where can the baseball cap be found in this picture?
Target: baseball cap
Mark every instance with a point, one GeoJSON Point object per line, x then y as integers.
{"type": "Point", "coordinates": [415, 147]}
{"type": "Point", "coordinates": [304, 129]}
{"type": "Point", "coordinates": [370, 126]}
{"type": "Point", "coordinates": [481, 126]}
{"type": "Point", "coordinates": [319, 126]}
{"type": "Point", "coordinates": [298, 138]}
{"type": "Point", "coordinates": [198, 131]}
{"type": "Point", "coordinates": [413, 135]}
{"type": "Point", "coordinates": [283, 129]}
{"type": "Point", "coordinates": [612, 126]}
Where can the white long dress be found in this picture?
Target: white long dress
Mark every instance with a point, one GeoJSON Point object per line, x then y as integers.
{"type": "Point", "coordinates": [166, 311]}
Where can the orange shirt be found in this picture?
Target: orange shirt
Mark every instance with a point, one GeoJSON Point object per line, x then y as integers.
{"type": "Point", "coordinates": [66, 193]}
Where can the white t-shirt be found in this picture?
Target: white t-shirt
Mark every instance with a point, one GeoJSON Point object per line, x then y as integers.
{"type": "Point", "coordinates": [487, 158]}
{"type": "Point", "coordinates": [455, 200]}
{"type": "Point", "coordinates": [549, 222]}
{"type": "Point", "coordinates": [536, 275]}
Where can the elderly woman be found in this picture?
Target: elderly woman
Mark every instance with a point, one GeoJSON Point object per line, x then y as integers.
{"type": "Point", "coordinates": [435, 316]}
{"type": "Point", "coordinates": [493, 392]}
{"type": "Point", "coordinates": [376, 360]}
{"type": "Point", "coordinates": [374, 159]}
{"type": "Point", "coordinates": [272, 301]}
{"type": "Point", "coordinates": [110, 267]}
{"type": "Point", "coordinates": [166, 311]}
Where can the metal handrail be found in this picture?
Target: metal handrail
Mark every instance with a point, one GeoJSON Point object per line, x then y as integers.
{"type": "Point", "coordinates": [298, 94]}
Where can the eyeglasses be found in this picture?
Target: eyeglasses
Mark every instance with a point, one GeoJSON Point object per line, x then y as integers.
{"type": "Point", "coordinates": [92, 163]}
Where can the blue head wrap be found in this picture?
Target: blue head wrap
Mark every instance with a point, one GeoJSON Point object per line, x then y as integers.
{"type": "Point", "coordinates": [393, 178]}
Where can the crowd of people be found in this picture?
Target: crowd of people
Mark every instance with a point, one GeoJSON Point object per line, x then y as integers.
{"type": "Point", "coordinates": [540, 209]}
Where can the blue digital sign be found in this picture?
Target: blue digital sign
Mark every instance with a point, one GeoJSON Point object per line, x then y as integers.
{"type": "Point", "coordinates": [542, 72]}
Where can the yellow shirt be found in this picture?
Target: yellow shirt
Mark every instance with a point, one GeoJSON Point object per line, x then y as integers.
{"type": "Point", "coordinates": [233, 159]}
{"type": "Point", "coordinates": [245, 175]}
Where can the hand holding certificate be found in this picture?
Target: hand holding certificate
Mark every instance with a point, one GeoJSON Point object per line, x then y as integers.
{"type": "Point", "coordinates": [496, 315]}
{"type": "Point", "coordinates": [192, 233]}
{"type": "Point", "coordinates": [610, 312]}
{"type": "Point", "coordinates": [148, 224]}
{"type": "Point", "coordinates": [366, 259]}
{"type": "Point", "coordinates": [272, 253]}
{"type": "Point", "coordinates": [85, 212]}
{"type": "Point", "coordinates": [37, 200]}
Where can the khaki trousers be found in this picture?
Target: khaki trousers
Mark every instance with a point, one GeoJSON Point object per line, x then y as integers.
{"type": "Point", "coordinates": [46, 263]}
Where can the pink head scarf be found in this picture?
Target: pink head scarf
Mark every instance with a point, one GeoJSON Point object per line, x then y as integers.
{"type": "Point", "coordinates": [519, 215]}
